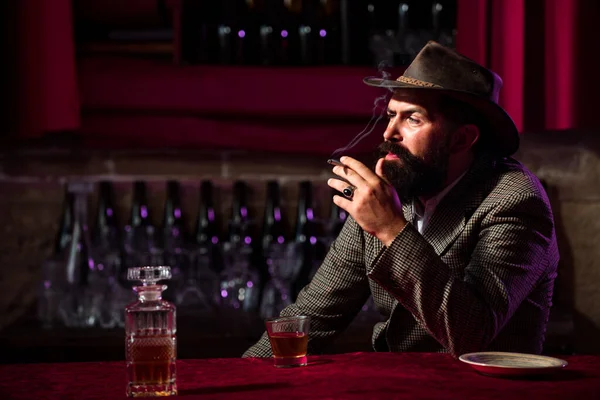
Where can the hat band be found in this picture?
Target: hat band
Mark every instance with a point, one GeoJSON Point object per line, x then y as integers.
{"type": "Point", "coordinates": [417, 82]}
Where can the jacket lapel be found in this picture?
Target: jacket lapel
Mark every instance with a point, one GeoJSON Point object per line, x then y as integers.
{"type": "Point", "coordinates": [450, 216]}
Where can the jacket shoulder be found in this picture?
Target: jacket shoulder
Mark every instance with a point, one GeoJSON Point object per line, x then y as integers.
{"type": "Point", "coordinates": [511, 179]}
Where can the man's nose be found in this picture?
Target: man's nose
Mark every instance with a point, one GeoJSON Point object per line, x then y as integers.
{"type": "Point", "coordinates": [391, 133]}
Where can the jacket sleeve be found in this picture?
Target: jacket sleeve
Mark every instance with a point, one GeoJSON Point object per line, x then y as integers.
{"type": "Point", "coordinates": [333, 297]}
{"type": "Point", "coordinates": [465, 310]}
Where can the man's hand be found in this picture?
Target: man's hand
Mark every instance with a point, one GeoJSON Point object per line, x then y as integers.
{"type": "Point", "coordinates": [375, 205]}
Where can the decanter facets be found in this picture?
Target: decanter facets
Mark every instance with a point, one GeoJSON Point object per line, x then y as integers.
{"type": "Point", "coordinates": [149, 275]}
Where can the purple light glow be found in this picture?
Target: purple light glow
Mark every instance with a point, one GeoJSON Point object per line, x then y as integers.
{"type": "Point", "coordinates": [177, 213]}
{"type": "Point", "coordinates": [144, 212]}
{"type": "Point", "coordinates": [247, 240]}
{"type": "Point", "coordinates": [343, 215]}
{"type": "Point", "coordinates": [91, 264]}
{"type": "Point", "coordinates": [211, 214]}
{"type": "Point", "coordinates": [100, 267]}
{"type": "Point", "coordinates": [214, 240]}
{"type": "Point", "coordinates": [313, 240]}
{"type": "Point", "coordinates": [277, 213]}
{"type": "Point", "coordinates": [47, 284]}
{"type": "Point", "coordinates": [223, 293]}
{"type": "Point", "coordinates": [284, 33]}
{"type": "Point", "coordinates": [309, 214]}
{"type": "Point", "coordinates": [127, 228]}
{"type": "Point", "coordinates": [241, 34]}
{"type": "Point", "coordinates": [322, 33]}
{"type": "Point", "coordinates": [249, 284]}
{"type": "Point", "coordinates": [109, 212]}
{"type": "Point", "coordinates": [280, 239]}
{"type": "Point", "coordinates": [244, 212]}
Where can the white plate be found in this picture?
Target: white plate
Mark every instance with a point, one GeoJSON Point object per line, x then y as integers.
{"type": "Point", "coordinates": [496, 363]}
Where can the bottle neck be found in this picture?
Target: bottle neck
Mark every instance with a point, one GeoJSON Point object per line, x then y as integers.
{"type": "Point", "coordinates": [150, 292]}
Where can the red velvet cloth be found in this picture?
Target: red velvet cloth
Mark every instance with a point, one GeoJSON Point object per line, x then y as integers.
{"type": "Point", "coordinates": [344, 376]}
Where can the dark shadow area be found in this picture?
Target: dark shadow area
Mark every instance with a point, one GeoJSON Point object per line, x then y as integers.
{"type": "Point", "coordinates": [560, 331]}
{"type": "Point", "coordinates": [563, 375]}
{"type": "Point", "coordinates": [232, 389]}
{"type": "Point", "coordinates": [586, 334]}
{"type": "Point", "coordinates": [569, 332]}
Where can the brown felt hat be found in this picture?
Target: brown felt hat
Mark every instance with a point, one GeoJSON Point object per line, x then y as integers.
{"type": "Point", "coordinates": [439, 68]}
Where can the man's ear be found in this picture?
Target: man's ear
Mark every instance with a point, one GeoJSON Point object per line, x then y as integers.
{"type": "Point", "coordinates": [464, 138]}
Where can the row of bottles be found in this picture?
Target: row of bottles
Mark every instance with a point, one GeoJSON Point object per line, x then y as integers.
{"type": "Point", "coordinates": [85, 279]}
{"type": "Point", "coordinates": [313, 32]}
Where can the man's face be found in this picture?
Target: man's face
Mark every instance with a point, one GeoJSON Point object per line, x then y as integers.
{"type": "Point", "coordinates": [416, 146]}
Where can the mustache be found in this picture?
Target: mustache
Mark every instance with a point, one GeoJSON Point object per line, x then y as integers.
{"type": "Point", "coordinates": [401, 152]}
{"type": "Point", "coordinates": [389, 147]}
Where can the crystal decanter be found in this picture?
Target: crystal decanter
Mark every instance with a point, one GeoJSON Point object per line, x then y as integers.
{"type": "Point", "coordinates": [150, 342]}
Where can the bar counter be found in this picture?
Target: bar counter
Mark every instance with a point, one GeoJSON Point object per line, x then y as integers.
{"type": "Point", "coordinates": [359, 375]}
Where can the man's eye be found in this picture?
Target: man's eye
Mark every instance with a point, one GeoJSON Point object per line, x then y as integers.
{"type": "Point", "coordinates": [413, 120]}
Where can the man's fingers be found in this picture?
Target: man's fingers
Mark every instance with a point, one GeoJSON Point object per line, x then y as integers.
{"type": "Point", "coordinates": [361, 169]}
{"type": "Point", "coordinates": [343, 203]}
{"type": "Point", "coordinates": [350, 175]}
{"type": "Point", "coordinates": [337, 184]}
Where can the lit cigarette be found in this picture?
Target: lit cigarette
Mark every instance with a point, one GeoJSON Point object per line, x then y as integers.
{"type": "Point", "coordinates": [333, 161]}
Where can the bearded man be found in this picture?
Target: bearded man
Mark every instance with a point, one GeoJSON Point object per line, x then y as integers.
{"type": "Point", "coordinates": [454, 239]}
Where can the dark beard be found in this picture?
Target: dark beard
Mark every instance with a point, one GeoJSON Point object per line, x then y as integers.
{"type": "Point", "coordinates": [414, 176]}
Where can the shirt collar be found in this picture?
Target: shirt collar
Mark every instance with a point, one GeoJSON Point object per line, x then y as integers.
{"type": "Point", "coordinates": [420, 209]}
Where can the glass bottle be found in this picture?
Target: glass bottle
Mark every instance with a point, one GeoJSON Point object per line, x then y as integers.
{"type": "Point", "coordinates": [207, 229]}
{"type": "Point", "coordinates": [240, 282]}
{"type": "Point", "coordinates": [107, 249]}
{"type": "Point", "coordinates": [150, 342]}
{"type": "Point", "coordinates": [273, 227]}
{"type": "Point", "coordinates": [80, 304]}
{"type": "Point", "coordinates": [225, 32]}
{"type": "Point", "coordinates": [268, 37]}
{"type": "Point", "coordinates": [305, 238]}
{"type": "Point", "coordinates": [63, 236]}
{"type": "Point", "coordinates": [200, 288]}
{"type": "Point", "coordinates": [276, 254]}
{"type": "Point", "coordinates": [140, 241]}
{"type": "Point", "coordinates": [328, 32]}
{"type": "Point", "coordinates": [53, 283]}
{"type": "Point", "coordinates": [174, 238]}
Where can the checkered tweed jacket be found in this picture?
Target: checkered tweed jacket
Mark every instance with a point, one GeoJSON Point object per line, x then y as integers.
{"type": "Point", "coordinates": [480, 277]}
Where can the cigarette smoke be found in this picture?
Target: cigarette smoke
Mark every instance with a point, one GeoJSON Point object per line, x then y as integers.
{"type": "Point", "coordinates": [379, 109]}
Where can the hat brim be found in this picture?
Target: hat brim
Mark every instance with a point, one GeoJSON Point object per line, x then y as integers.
{"type": "Point", "coordinates": [502, 132]}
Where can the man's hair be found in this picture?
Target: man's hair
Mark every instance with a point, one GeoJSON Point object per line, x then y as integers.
{"type": "Point", "coordinates": [459, 113]}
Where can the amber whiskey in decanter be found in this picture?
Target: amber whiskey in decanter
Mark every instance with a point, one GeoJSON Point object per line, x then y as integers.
{"type": "Point", "coordinates": [150, 343]}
